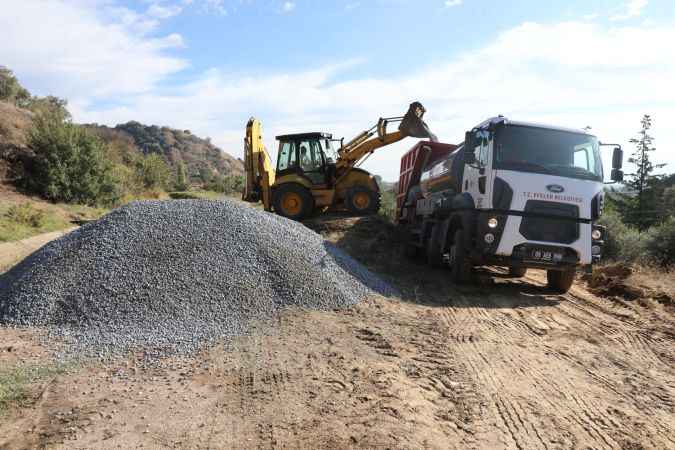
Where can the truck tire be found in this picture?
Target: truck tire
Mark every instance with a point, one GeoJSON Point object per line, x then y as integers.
{"type": "Point", "coordinates": [560, 280]}
{"type": "Point", "coordinates": [362, 201]}
{"type": "Point", "coordinates": [293, 201]}
{"type": "Point", "coordinates": [517, 272]}
{"type": "Point", "coordinates": [435, 246]}
{"type": "Point", "coordinates": [460, 264]}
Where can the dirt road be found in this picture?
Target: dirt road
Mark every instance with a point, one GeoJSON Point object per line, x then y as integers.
{"type": "Point", "coordinates": [11, 252]}
{"type": "Point", "coordinates": [502, 364]}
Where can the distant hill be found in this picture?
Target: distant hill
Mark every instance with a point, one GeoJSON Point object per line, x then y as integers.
{"type": "Point", "coordinates": [201, 157]}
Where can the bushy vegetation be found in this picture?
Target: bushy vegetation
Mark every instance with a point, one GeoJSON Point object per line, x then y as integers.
{"type": "Point", "coordinates": [69, 163]}
{"type": "Point", "coordinates": [228, 184]}
{"type": "Point", "coordinates": [655, 246]}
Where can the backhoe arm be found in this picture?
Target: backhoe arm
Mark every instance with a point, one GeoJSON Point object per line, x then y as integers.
{"type": "Point", "coordinates": [411, 125]}
{"type": "Point", "coordinates": [258, 165]}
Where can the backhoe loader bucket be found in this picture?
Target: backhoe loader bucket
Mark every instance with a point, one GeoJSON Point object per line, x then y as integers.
{"type": "Point", "coordinates": [412, 124]}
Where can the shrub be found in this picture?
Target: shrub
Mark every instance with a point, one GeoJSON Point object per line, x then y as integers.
{"type": "Point", "coordinates": [69, 165]}
{"type": "Point", "coordinates": [622, 242]}
{"type": "Point", "coordinates": [228, 184]}
{"type": "Point", "coordinates": [153, 172]}
{"type": "Point", "coordinates": [25, 214]}
{"type": "Point", "coordinates": [660, 243]}
{"type": "Point", "coordinates": [388, 205]}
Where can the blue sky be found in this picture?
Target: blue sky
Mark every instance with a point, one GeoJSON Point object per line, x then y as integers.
{"type": "Point", "coordinates": [208, 65]}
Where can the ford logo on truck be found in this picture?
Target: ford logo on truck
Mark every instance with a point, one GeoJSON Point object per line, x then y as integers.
{"type": "Point", "coordinates": [555, 188]}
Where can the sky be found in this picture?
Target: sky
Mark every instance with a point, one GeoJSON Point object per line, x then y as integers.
{"type": "Point", "coordinates": [337, 66]}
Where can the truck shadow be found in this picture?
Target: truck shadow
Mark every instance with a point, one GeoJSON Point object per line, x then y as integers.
{"type": "Point", "coordinates": [378, 245]}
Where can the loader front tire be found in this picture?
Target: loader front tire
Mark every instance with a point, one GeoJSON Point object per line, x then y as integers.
{"type": "Point", "coordinates": [362, 201]}
{"type": "Point", "coordinates": [293, 201]}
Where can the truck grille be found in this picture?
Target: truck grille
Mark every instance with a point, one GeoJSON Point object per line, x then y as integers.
{"type": "Point", "coordinates": [550, 229]}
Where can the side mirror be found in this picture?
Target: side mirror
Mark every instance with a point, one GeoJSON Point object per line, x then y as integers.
{"type": "Point", "coordinates": [469, 157]}
{"type": "Point", "coordinates": [617, 159]}
{"type": "Point", "coordinates": [617, 175]}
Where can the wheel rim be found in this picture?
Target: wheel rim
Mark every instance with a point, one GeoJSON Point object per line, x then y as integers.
{"type": "Point", "coordinates": [291, 203]}
{"type": "Point", "coordinates": [361, 200]}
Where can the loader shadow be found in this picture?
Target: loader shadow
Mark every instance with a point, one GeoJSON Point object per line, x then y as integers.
{"type": "Point", "coordinates": [378, 245]}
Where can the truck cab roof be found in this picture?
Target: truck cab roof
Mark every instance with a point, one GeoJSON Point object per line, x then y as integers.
{"type": "Point", "coordinates": [507, 121]}
{"type": "Point", "coordinates": [302, 136]}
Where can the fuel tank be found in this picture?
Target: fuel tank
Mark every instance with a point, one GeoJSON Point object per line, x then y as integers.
{"type": "Point", "coordinates": [443, 174]}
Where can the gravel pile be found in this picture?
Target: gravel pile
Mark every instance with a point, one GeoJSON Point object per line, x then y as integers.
{"type": "Point", "coordinates": [171, 277]}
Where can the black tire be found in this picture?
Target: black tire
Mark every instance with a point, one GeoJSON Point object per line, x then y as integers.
{"type": "Point", "coordinates": [362, 201]}
{"type": "Point", "coordinates": [517, 272]}
{"type": "Point", "coordinates": [461, 268]}
{"type": "Point", "coordinates": [435, 246]}
{"type": "Point", "coordinates": [293, 201]}
{"type": "Point", "coordinates": [560, 280]}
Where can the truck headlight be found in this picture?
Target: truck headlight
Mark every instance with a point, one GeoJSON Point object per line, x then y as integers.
{"type": "Point", "coordinates": [596, 234]}
{"type": "Point", "coordinates": [489, 238]}
{"type": "Point", "coordinates": [595, 250]}
{"type": "Point", "coordinates": [492, 222]}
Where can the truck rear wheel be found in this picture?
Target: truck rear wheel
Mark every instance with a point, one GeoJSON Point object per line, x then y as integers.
{"type": "Point", "coordinates": [362, 201]}
{"type": "Point", "coordinates": [517, 272]}
{"type": "Point", "coordinates": [460, 265]}
{"type": "Point", "coordinates": [293, 201]}
{"type": "Point", "coordinates": [435, 245]}
{"type": "Point", "coordinates": [560, 280]}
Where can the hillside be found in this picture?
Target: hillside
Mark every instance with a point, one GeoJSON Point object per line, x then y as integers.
{"type": "Point", "coordinates": [201, 157]}
{"type": "Point", "coordinates": [14, 123]}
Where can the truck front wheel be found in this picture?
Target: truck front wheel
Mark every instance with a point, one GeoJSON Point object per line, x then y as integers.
{"type": "Point", "coordinates": [293, 201]}
{"type": "Point", "coordinates": [560, 280]}
{"type": "Point", "coordinates": [460, 265]}
{"type": "Point", "coordinates": [517, 272]}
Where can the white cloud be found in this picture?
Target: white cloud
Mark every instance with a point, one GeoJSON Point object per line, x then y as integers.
{"type": "Point", "coordinates": [288, 7]}
{"type": "Point", "coordinates": [572, 74]}
{"type": "Point", "coordinates": [632, 8]}
{"type": "Point", "coordinates": [84, 50]}
{"type": "Point", "coordinates": [216, 6]}
{"type": "Point", "coordinates": [163, 11]}
{"type": "Point", "coordinates": [451, 3]}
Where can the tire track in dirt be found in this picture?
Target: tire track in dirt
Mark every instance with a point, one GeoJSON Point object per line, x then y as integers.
{"type": "Point", "coordinates": [497, 357]}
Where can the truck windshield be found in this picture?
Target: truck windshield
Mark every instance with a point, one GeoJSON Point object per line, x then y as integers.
{"type": "Point", "coordinates": [542, 150]}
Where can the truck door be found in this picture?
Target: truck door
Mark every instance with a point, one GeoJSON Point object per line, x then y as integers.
{"type": "Point", "coordinates": [477, 179]}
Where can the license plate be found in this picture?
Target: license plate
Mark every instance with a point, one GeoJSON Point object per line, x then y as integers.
{"type": "Point", "coordinates": [544, 255]}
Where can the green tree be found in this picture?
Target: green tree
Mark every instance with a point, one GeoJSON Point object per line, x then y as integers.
{"type": "Point", "coordinates": [181, 177]}
{"type": "Point", "coordinates": [153, 172]}
{"type": "Point", "coordinates": [10, 88]}
{"type": "Point", "coordinates": [640, 206]}
{"type": "Point", "coordinates": [69, 163]}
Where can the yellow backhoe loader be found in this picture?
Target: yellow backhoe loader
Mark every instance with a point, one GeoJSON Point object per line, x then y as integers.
{"type": "Point", "coordinates": [311, 175]}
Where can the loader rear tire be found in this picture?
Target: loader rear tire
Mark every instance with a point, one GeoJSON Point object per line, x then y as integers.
{"type": "Point", "coordinates": [461, 268]}
{"type": "Point", "coordinates": [560, 281]}
{"type": "Point", "coordinates": [362, 201]}
{"type": "Point", "coordinates": [293, 201]}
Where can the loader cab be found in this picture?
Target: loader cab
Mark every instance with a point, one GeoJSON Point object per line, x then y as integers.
{"type": "Point", "coordinates": [310, 155]}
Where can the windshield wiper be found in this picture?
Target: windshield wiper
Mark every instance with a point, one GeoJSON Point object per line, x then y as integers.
{"type": "Point", "coordinates": [577, 171]}
{"type": "Point", "coordinates": [526, 165]}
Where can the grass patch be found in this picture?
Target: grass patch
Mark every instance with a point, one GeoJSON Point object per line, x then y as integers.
{"type": "Point", "coordinates": [22, 220]}
{"type": "Point", "coordinates": [197, 195]}
{"type": "Point", "coordinates": [15, 382]}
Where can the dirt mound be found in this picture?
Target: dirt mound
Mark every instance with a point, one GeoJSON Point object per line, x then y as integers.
{"type": "Point", "coordinates": [615, 281]}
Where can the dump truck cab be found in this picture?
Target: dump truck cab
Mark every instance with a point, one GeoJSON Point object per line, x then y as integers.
{"type": "Point", "coordinates": [514, 194]}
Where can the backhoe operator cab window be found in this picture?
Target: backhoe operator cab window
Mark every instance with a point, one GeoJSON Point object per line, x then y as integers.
{"type": "Point", "coordinates": [287, 156]}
